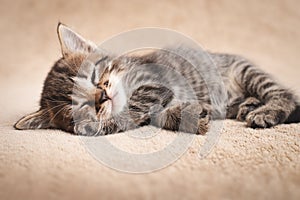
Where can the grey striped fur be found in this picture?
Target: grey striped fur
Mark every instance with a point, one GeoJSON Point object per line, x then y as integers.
{"type": "Point", "coordinates": [159, 88]}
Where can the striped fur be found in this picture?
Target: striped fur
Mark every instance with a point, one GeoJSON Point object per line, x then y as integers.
{"type": "Point", "coordinates": [108, 94]}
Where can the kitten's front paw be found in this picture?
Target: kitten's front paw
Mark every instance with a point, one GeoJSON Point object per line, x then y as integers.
{"type": "Point", "coordinates": [87, 129]}
{"type": "Point", "coordinates": [246, 107]}
{"type": "Point", "coordinates": [263, 117]}
{"type": "Point", "coordinates": [95, 128]}
{"type": "Point", "coordinates": [195, 119]}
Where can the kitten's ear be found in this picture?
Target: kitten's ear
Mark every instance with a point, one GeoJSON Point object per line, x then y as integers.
{"type": "Point", "coordinates": [72, 42]}
{"type": "Point", "coordinates": [36, 120]}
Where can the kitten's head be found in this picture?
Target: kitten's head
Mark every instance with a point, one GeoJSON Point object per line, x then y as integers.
{"type": "Point", "coordinates": [78, 81]}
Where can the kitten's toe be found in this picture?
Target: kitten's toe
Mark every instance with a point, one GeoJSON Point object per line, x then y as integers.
{"type": "Point", "coordinates": [93, 129]}
{"type": "Point", "coordinates": [86, 129]}
{"type": "Point", "coordinates": [203, 125]}
{"type": "Point", "coordinates": [246, 107]}
{"type": "Point", "coordinates": [195, 119]}
{"type": "Point", "coordinates": [256, 121]}
{"type": "Point", "coordinates": [242, 113]}
{"type": "Point", "coordinates": [187, 117]}
{"type": "Point", "coordinates": [196, 126]}
{"type": "Point", "coordinates": [262, 118]}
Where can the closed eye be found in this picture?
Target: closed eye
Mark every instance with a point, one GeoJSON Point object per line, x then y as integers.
{"type": "Point", "coordinates": [89, 103]}
{"type": "Point", "coordinates": [102, 59]}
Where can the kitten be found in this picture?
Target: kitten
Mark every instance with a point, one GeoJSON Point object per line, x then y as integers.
{"type": "Point", "coordinates": [111, 94]}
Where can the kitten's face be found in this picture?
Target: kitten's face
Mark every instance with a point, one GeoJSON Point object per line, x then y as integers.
{"type": "Point", "coordinates": [92, 88]}
{"type": "Point", "coordinates": [76, 89]}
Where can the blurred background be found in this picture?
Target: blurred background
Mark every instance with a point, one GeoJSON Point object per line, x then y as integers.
{"type": "Point", "coordinates": [266, 32]}
{"type": "Point", "coordinates": [51, 164]}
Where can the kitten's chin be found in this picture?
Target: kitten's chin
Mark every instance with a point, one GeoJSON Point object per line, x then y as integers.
{"type": "Point", "coordinates": [118, 101]}
{"type": "Point", "coordinates": [107, 111]}
{"type": "Point", "coordinates": [117, 106]}
{"type": "Point", "coordinates": [109, 107]}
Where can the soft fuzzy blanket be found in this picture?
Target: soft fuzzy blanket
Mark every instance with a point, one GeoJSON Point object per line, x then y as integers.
{"type": "Point", "coordinates": [50, 164]}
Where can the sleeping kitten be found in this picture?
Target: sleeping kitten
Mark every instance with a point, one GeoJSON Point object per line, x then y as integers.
{"type": "Point", "coordinates": [112, 94]}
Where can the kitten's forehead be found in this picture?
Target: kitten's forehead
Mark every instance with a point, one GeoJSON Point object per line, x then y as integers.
{"type": "Point", "coordinates": [94, 65]}
{"type": "Point", "coordinates": [117, 65]}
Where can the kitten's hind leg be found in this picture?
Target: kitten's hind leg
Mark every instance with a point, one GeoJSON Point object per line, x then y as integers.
{"type": "Point", "coordinates": [266, 116]}
{"type": "Point", "coordinates": [185, 117]}
{"type": "Point", "coordinates": [258, 115]}
{"type": "Point", "coordinates": [278, 103]}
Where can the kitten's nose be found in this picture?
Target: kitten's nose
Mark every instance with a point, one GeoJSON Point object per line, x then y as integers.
{"type": "Point", "coordinates": [103, 97]}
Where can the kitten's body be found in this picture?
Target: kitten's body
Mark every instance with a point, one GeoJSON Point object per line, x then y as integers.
{"type": "Point", "coordinates": [160, 88]}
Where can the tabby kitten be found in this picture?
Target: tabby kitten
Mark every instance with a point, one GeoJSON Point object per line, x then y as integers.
{"type": "Point", "coordinates": [88, 92]}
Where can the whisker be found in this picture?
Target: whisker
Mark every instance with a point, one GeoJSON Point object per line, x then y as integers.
{"type": "Point", "coordinates": [67, 110]}
{"type": "Point", "coordinates": [46, 112]}
{"type": "Point", "coordinates": [54, 100]}
{"type": "Point", "coordinates": [99, 127]}
{"type": "Point", "coordinates": [57, 113]}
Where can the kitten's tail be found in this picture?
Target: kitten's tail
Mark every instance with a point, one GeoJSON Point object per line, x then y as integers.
{"type": "Point", "coordinates": [295, 115]}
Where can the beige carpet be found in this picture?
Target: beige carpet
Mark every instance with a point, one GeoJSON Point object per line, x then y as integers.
{"type": "Point", "coordinates": [49, 164]}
